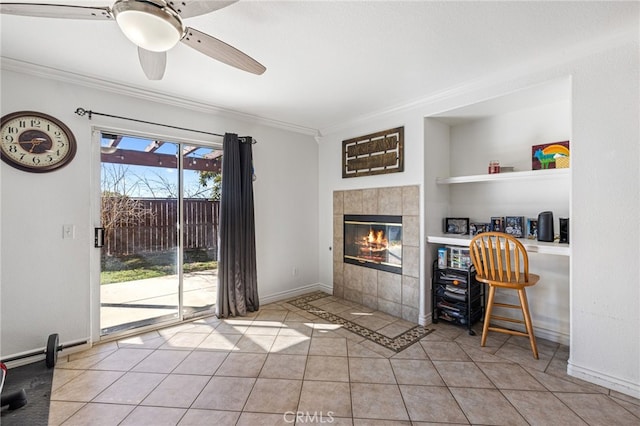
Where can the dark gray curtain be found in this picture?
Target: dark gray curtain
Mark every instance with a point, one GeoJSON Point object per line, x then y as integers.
{"type": "Point", "coordinates": [237, 277]}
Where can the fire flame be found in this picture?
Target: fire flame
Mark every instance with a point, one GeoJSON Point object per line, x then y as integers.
{"type": "Point", "coordinates": [377, 238]}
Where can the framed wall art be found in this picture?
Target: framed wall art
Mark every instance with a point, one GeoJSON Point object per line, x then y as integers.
{"type": "Point", "coordinates": [374, 154]}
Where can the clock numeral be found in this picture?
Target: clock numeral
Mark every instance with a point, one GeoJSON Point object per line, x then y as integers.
{"type": "Point", "coordinates": [35, 123]}
{"type": "Point", "coordinates": [8, 138]}
{"type": "Point", "coordinates": [13, 148]}
{"type": "Point", "coordinates": [36, 160]}
{"type": "Point", "coordinates": [49, 158]}
{"type": "Point", "coordinates": [12, 129]}
{"type": "Point", "coordinates": [61, 144]}
{"type": "Point", "coordinates": [22, 156]}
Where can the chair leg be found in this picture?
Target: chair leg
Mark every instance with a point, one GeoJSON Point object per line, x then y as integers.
{"type": "Point", "coordinates": [487, 315]}
{"type": "Point", "coordinates": [527, 321]}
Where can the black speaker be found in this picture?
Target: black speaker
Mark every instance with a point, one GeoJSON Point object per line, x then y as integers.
{"type": "Point", "coordinates": [545, 226]}
{"type": "Point", "coordinates": [564, 230]}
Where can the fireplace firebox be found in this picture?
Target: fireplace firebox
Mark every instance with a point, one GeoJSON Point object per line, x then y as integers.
{"type": "Point", "coordinates": [374, 241]}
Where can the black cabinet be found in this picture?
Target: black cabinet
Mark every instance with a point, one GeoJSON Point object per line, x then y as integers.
{"type": "Point", "coordinates": [457, 296]}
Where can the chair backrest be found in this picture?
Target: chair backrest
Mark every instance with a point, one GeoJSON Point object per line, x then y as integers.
{"type": "Point", "coordinates": [499, 257]}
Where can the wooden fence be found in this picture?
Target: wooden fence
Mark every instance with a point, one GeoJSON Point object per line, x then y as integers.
{"type": "Point", "coordinates": [158, 231]}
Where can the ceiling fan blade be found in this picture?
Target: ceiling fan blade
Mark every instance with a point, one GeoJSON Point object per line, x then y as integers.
{"type": "Point", "coordinates": [189, 8]}
{"type": "Point", "coordinates": [221, 51]}
{"type": "Point", "coordinates": [57, 11]}
{"type": "Point", "coordinates": [153, 63]}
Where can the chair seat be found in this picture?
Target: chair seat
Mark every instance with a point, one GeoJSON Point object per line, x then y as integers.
{"type": "Point", "coordinates": [521, 283]}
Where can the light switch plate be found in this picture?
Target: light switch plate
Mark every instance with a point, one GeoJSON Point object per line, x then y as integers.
{"type": "Point", "coordinates": [68, 232]}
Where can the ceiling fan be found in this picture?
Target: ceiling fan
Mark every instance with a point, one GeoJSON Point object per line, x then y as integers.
{"type": "Point", "coordinates": [155, 26]}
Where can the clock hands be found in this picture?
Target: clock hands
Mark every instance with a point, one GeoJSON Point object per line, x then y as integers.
{"type": "Point", "coordinates": [35, 142]}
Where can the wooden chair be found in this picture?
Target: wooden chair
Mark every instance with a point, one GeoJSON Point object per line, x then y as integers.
{"type": "Point", "coordinates": [501, 261]}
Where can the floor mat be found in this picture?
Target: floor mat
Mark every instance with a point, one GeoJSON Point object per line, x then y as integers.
{"type": "Point", "coordinates": [36, 380]}
{"type": "Point", "coordinates": [396, 344]}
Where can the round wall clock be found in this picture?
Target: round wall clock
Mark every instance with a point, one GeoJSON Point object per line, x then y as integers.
{"type": "Point", "coordinates": [36, 142]}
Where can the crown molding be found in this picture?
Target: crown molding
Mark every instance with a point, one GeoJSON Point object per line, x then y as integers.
{"type": "Point", "coordinates": [21, 67]}
{"type": "Point", "coordinates": [552, 60]}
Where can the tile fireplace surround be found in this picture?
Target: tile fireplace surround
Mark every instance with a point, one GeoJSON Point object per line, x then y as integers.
{"type": "Point", "coordinates": [397, 295]}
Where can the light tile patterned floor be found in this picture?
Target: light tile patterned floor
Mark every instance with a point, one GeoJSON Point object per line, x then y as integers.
{"type": "Point", "coordinates": [284, 366]}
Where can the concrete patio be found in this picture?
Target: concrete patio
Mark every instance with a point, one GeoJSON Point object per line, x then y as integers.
{"type": "Point", "coordinates": [153, 298]}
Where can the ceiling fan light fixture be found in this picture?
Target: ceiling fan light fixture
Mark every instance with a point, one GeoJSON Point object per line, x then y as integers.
{"type": "Point", "coordinates": [153, 28]}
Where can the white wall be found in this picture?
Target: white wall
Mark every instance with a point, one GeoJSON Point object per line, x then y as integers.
{"type": "Point", "coordinates": [605, 312]}
{"type": "Point", "coordinates": [605, 188]}
{"type": "Point", "coordinates": [47, 282]}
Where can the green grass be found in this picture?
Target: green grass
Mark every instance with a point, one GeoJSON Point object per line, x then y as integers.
{"type": "Point", "coordinates": [117, 269]}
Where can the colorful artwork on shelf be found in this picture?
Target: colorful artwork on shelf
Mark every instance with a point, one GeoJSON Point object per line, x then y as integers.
{"type": "Point", "coordinates": [550, 156]}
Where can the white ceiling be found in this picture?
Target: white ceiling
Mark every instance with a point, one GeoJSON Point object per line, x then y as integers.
{"type": "Point", "coordinates": [327, 61]}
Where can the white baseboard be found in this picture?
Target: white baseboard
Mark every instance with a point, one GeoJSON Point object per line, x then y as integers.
{"type": "Point", "coordinates": [598, 378]}
{"type": "Point", "coordinates": [40, 356]}
{"type": "Point", "coordinates": [424, 320]}
{"type": "Point", "coordinates": [288, 294]}
{"type": "Point", "coordinates": [543, 333]}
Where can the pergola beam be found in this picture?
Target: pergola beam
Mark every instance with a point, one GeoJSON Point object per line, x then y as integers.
{"type": "Point", "coordinates": [114, 142]}
{"type": "Point", "coordinates": [154, 159]}
{"type": "Point", "coordinates": [189, 149]}
{"type": "Point", "coordinates": [153, 146]}
{"type": "Point", "coordinates": [213, 155]}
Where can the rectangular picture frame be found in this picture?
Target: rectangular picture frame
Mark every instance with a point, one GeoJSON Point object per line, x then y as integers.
{"type": "Point", "coordinates": [497, 224]}
{"type": "Point", "coordinates": [456, 225]}
{"type": "Point", "coordinates": [532, 228]}
{"type": "Point", "coordinates": [373, 154]}
{"type": "Point", "coordinates": [476, 228]}
{"type": "Point", "coordinates": [514, 226]}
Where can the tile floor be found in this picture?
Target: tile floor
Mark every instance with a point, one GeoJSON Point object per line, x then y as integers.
{"type": "Point", "coordinates": [284, 366]}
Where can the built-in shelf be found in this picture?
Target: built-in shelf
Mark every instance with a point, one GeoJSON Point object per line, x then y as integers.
{"type": "Point", "coordinates": [532, 246]}
{"type": "Point", "coordinates": [528, 174]}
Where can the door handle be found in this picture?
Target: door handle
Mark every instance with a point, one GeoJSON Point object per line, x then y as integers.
{"type": "Point", "coordinates": [98, 237]}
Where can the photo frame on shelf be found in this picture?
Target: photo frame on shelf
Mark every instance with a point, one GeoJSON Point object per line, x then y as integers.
{"type": "Point", "coordinates": [476, 228]}
{"type": "Point", "coordinates": [532, 228]}
{"type": "Point", "coordinates": [497, 224]}
{"type": "Point", "coordinates": [514, 226]}
{"type": "Point", "coordinates": [456, 225]}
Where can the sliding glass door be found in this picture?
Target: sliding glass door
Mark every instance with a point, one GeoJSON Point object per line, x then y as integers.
{"type": "Point", "coordinates": [159, 214]}
{"type": "Point", "coordinates": [201, 200]}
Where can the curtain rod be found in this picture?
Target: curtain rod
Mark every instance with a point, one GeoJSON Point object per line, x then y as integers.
{"type": "Point", "coordinates": [82, 112]}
